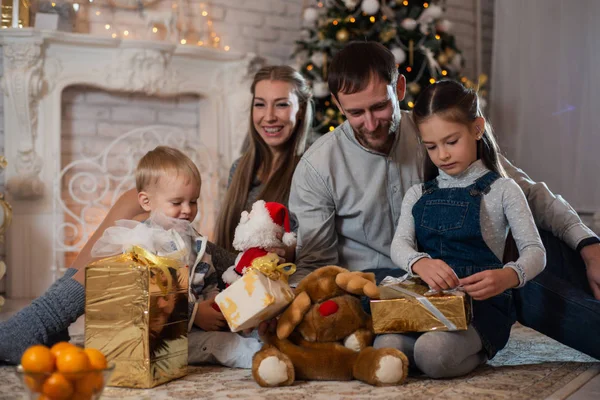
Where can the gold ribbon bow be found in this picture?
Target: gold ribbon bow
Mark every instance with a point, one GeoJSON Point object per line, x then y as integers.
{"type": "Point", "coordinates": [270, 267]}
{"type": "Point", "coordinates": [159, 263]}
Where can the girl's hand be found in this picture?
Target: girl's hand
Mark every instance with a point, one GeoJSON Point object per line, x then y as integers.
{"type": "Point", "coordinates": [436, 273]}
{"type": "Point", "coordinates": [486, 284]}
{"type": "Point", "coordinates": [207, 318]}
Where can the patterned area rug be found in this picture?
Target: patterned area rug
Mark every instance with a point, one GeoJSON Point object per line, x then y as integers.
{"type": "Point", "coordinates": [532, 366]}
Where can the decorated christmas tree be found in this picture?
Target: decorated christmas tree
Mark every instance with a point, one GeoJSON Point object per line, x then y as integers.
{"type": "Point", "coordinates": [414, 31]}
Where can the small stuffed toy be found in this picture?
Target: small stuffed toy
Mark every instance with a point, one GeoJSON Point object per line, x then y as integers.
{"type": "Point", "coordinates": [267, 225]}
{"type": "Point", "coordinates": [324, 334]}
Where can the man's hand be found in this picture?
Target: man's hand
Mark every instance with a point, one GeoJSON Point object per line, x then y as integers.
{"type": "Point", "coordinates": [486, 284]}
{"type": "Point", "coordinates": [207, 318]}
{"type": "Point", "coordinates": [436, 273]}
{"type": "Point", "coordinates": [591, 258]}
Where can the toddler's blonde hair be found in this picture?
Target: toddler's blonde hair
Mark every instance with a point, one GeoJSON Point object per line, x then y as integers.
{"type": "Point", "coordinates": [161, 162]}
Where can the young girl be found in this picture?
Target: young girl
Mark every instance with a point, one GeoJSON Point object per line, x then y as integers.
{"type": "Point", "coordinates": [452, 232]}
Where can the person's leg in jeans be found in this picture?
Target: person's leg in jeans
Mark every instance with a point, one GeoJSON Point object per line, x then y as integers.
{"type": "Point", "coordinates": [559, 302]}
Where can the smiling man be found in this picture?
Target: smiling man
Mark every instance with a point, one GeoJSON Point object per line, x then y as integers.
{"type": "Point", "coordinates": [348, 188]}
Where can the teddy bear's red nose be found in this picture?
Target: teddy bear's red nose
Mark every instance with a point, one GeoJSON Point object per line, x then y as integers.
{"type": "Point", "coordinates": [328, 307]}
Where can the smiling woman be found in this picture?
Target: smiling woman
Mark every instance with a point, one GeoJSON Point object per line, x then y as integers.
{"type": "Point", "coordinates": [280, 121]}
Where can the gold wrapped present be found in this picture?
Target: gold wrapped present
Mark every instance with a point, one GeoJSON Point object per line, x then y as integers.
{"type": "Point", "coordinates": [260, 294]}
{"type": "Point", "coordinates": [405, 307]}
{"type": "Point", "coordinates": [136, 311]}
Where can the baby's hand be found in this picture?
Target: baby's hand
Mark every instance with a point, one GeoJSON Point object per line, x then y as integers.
{"type": "Point", "coordinates": [486, 284]}
{"type": "Point", "coordinates": [436, 273]}
{"type": "Point", "coordinates": [208, 318]}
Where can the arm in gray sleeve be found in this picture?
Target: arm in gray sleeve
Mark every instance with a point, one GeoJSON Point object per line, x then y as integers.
{"type": "Point", "coordinates": [404, 246]}
{"type": "Point", "coordinates": [532, 255]}
{"type": "Point", "coordinates": [311, 204]}
{"type": "Point", "coordinates": [550, 212]}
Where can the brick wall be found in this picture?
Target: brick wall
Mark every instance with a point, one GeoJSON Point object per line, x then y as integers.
{"type": "Point", "coordinates": [92, 117]}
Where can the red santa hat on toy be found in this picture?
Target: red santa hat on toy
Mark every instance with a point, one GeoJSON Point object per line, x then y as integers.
{"type": "Point", "coordinates": [266, 225]}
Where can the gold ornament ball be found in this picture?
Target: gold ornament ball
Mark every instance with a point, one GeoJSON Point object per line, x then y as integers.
{"type": "Point", "coordinates": [449, 52]}
{"type": "Point", "coordinates": [342, 35]}
{"type": "Point", "coordinates": [330, 112]}
{"type": "Point", "coordinates": [388, 35]}
{"type": "Point", "coordinates": [442, 59]}
{"type": "Point", "coordinates": [414, 88]}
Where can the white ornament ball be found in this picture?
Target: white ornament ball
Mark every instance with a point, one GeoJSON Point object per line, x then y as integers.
{"type": "Point", "coordinates": [370, 7]}
{"type": "Point", "coordinates": [434, 11]}
{"type": "Point", "coordinates": [409, 24]}
{"type": "Point", "coordinates": [456, 63]}
{"type": "Point", "coordinates": [482, 103]}
{"type": "Point", "coordinates": [320, 90]}
{"type": "Point", "coordinates": [351, 4]}
{"type": "Point", "coordinates": [399, 54]}
{"type": "Point", "coordinates": [443, 26]}
{"type": "Point", "coordinates": [424, 28]}
{"type": "Point", "coordinates": [317, 59]}
{"type": "Point", "coordinates": [311, 15]}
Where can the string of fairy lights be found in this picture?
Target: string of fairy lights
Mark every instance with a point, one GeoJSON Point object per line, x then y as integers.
{"type": "Point", "coordinates": [193, 26]}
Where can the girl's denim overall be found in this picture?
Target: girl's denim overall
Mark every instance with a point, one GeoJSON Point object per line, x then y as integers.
{"type": "Point", "coordinates": [447, 227]}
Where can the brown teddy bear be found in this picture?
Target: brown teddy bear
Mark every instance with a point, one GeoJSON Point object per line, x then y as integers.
{"type": "Point", "coordinates": [326, 335]}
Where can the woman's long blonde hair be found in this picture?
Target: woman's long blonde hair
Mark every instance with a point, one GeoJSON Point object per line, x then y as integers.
{"type": "Point", "coordinates": [258, 157]}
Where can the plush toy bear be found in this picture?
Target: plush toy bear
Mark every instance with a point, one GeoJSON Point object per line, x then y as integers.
{"type": "Point", "coordinates": [326, 335]}
{"type": "Point", "coordinates": [266, 225]}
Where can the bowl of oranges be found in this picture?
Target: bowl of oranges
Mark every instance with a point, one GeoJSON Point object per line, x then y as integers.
{"type": "Point", "coordinates": [63, 372]}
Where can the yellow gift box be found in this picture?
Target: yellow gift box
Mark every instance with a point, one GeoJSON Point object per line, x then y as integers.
{"type": "Point", "coordinates": [260, 294]}
{"type": "Point", "coordinates": [136, 313]}
{"type": "Point", "coordinates": [405, 307]}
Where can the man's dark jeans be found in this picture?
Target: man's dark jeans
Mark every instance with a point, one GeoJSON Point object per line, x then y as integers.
{"type": "Point", "coordinates": [558, 302]}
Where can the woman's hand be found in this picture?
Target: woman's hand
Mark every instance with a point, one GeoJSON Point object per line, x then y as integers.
{"type": "Point", "coordinates": [490, 283]}
{"type": "Point", "coordinates": [207, 318]}
{"type": "Point", "coordinates": [436, 273]}
{"type": "Point", "coordinates": [286, 253]}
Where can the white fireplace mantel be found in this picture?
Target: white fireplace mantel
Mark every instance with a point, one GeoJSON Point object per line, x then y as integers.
{"type": "Point", "coordinates": [39, 65]}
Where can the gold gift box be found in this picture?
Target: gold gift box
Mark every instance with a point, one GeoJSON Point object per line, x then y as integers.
{"type": "Point", "coordinates": [136, 313]}
{"type": "Point", "coordinates": [252, 299]}
{"type": "Point", "coordinates": [397, 312]}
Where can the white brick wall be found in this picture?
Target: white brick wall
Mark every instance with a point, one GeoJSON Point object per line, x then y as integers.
{"type": "Point", "coordinates": [93, 118]}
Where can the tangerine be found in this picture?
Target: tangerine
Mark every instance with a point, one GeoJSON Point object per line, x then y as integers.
{"type": "Point", "coordinates": [57, 387]}
{"type": "Point", "coordinates": [97, 359]}
{"type": "Point", "coordinates": [72, 361]}
{"type": "Point", "coordinates": [34, 382]}
{"type": "Point", "coordinates": [89, 384]}
{"type": "Point", "coordinates": [38, 359]}
{"type": "Point", "coordinates": [60, 347]}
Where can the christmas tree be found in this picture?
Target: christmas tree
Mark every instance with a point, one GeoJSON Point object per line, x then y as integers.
{"type": "Point", "coordinates": [414, 31]}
